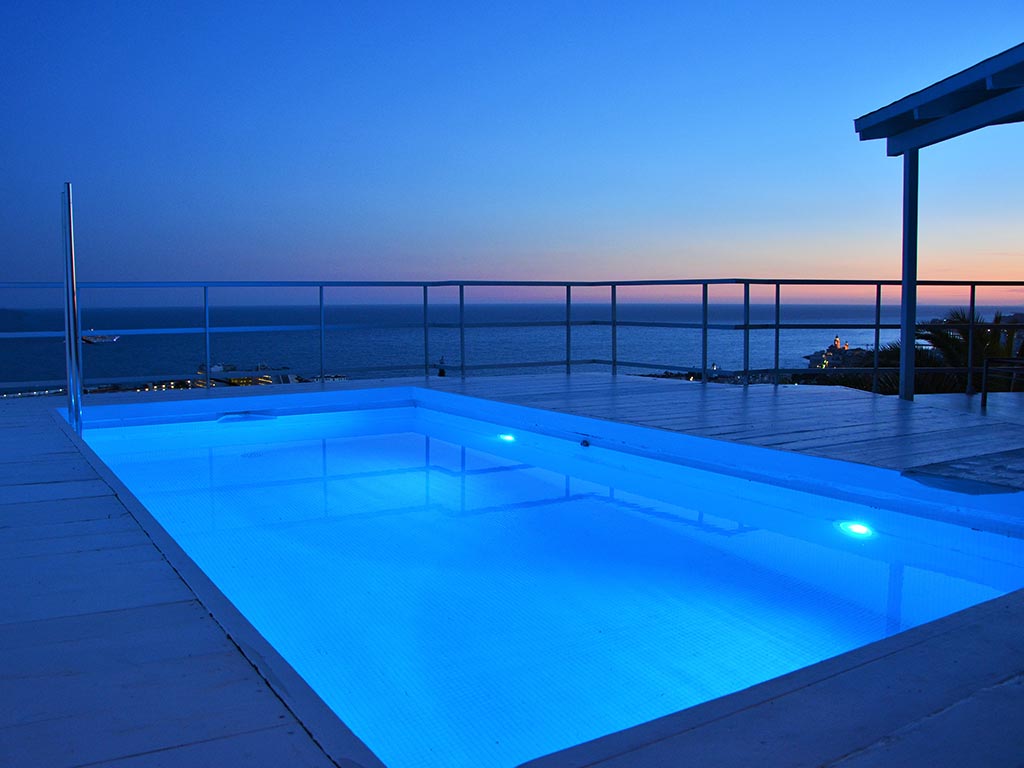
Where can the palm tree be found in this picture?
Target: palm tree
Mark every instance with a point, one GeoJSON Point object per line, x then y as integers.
{"type": "Point", "coordinates": [925, 381]}
{"type": "Point", "coordinates": [888, 382]}
{"type": "Point", "coordinates": [962, 345]}
{"type": "Point", "coordinates": [950, 343]}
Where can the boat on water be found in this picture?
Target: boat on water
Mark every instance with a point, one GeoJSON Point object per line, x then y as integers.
{"type": "Point", "coordinates": [99, 339]}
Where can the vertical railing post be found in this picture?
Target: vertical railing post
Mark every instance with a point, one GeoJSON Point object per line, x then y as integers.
{"type": "Point", "coordinates": [704, 334]}
{"type": "Point", "coordinates": [568, 329]}
{"type": "Point", "coordinates": [970, 343]}
{"type": "Point", "coordinates": [462, 330]}
{"type": "Point", "coordinates": [878, 336]}
{"type": "Point", "coordinates": [323, 337]}
{"type": "Point", "coordinates": [778, 314]}
{"type": "Point", "coordinates": [206, 330]}
{"type": "Point", "coordinates": [426, 336]}
{"type": "Point", "coordinates": [72, 320]}
{"type": "Point", "coordinates": [746, 333]}
{"type": "Point", "coordinates": [615, 332]}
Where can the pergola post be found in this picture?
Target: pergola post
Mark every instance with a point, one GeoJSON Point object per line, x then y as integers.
{"type": "Point", "coordinates": [908, 312]}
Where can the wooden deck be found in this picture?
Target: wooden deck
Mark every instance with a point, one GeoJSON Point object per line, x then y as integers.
{"type": "Point", "coordinates": [107, 657]}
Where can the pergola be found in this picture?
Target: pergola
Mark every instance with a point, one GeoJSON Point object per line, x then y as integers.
{"type": "Point", "coordinates": [989, 93]}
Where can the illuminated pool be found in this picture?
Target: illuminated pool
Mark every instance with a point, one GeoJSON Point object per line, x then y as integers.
{"type": "Point", "coordinates": [467, 583]}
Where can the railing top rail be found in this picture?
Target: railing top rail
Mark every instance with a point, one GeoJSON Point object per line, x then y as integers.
{"type": "Point", "coordinates": [503, 283]}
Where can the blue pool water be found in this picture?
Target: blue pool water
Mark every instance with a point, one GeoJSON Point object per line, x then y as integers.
{"type": "Point", "coordinates": [462, 593]}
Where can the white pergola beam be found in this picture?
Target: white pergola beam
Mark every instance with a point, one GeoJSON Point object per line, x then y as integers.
{"type": "Point", "coordinates": [947, 105]}
{"type": "Point", "coordinates": [1005, 108]}
{"type": "Point", "coordinates": [1012, 77]}
{"type": "Point", "coordinates": [1006, 65]}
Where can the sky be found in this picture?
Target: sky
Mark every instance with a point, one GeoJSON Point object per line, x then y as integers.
{"type": "Point", "coordinates": [475, 140]}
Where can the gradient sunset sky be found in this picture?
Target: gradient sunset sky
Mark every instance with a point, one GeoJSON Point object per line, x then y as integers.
{"type": "Point", "coordinates": [519, 140]}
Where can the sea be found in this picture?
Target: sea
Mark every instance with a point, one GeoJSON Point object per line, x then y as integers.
{"type": "Point", "coordinates": [371, 341]}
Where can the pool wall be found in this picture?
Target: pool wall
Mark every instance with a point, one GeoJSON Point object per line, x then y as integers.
{"type": "Point", "coordinates": [991, 509]}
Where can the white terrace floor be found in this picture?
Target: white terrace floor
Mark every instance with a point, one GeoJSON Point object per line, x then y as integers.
{"type": "Point", "coordinates": [107, 657]}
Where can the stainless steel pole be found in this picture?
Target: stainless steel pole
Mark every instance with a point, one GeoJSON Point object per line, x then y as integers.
{"type": "Point", "coordinates": [462, 330]}
{"type": "Point", "coordinates": [323, 337]}
{"type": "Point", "coordinates": [878, 337]}
{"type": "Point", "coordinates": [206, 332]}
{"type": "Point", "coordinates": [778, 319]}
{"type": "Point", "coordinates": [970, 342]}
{"type": "Point", "coordinates": [615, 331]}
{"type": "Point", "coordinates": [426, 336]}
{"type": "Point", "coordinates": [704, 333]}
{"type": "Point", "coordinates": [72, 322]}
{"type": "Point", "coordinates": [568, 329]}
{"type": "Point", "coordinates": [746, 334]}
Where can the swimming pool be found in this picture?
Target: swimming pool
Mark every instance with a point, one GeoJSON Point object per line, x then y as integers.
{"type": "Point", "coordinates": [468, 583]}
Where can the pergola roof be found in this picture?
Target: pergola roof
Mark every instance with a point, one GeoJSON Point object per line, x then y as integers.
{"type": "Point", "coordinates": [989, 93]}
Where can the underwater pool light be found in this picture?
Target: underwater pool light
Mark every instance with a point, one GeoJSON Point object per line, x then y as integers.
{"type": "Point", "coordinates": [858, 530]}
{"type": "Point", "coordinates": [507, 438]}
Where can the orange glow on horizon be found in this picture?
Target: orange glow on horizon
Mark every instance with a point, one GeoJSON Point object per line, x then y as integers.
{"type": "Point", "coordinates": [958, 295]}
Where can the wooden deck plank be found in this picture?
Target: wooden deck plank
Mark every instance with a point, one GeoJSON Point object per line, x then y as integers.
{"type": "Point", "coordinates": [282, 745]}
{"type": "Point", "coordinates": [75, 669]}
{"type": "Point", "coordinates": [85, 582]}
{"type": "Point", "coordinates": [99, 537]}
{"type": "Point", "coordinates": [19, 443]}
{"type": "Point", "coordinates": [54, 467]}
{"type": "Point", "coordinates": [60, 511]}
{"type": "Point", "coordinates": [121, 622]}
{"type": "Point", "coordinates": [24, 493]}
{"type": "Point", "coordinates": [1004, 468]}
{"type": "Point", "coordinates": [913, 449]}
{"type": "Point", "coordinates": [145, 710]}
{"type": "Point", "coordinates": [96, 684]}
{"type": "Point", "coordinates": [796, 439]}
{"type": "Point", "coordinates": [16, 536]}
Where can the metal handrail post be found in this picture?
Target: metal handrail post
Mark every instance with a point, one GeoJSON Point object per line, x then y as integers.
{"type": "Point", "coordinates": [746, 333]}
{"type": "Point", "coordinates": [878, 336]}
{"type": "Point", "coordinates": [970, 344]}
{"type": "Point", "coordinates": [615, 331]}
{"type": "Point", "coordinates": [568, 329]}
{"type": "Point", "coordinates": [323, 337]}
{"type": "Point", "coordinates": [704, 334]}
{"type": "Point", "coordinates": [778, 319]}
{"type": "Point", "coordinates": [426, 336]}
{"type": "Point", "coordinates": [72, 321]}
{"type": "Point", "coordinates": [206, 330]}
{"type": "Point", "coordinates": [462, 330]}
